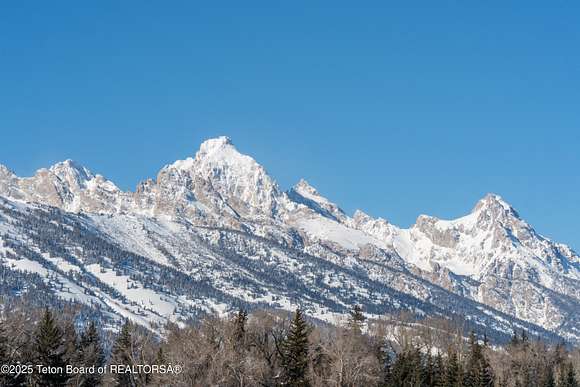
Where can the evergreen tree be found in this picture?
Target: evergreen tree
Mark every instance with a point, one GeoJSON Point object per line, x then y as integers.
{"type": "Point", "coordinates": [239, 332]}
{"type": "Point", "coordinates": [122, 355]}
{"type": "Point", "coordinates": [160, 379]}
{"type": "Point", "coordinates": [407, 369]}
{"type": "Point", "coordinates": [472, 371]}
{"type": "Point", "coordinates": [417, 371]}
{"type": "Point", "coordinates": [524, 340]}
{"type": "Point", "coordinates": [486, 376]}
{"type": "Point", "coordinates": [568, 376]}
{"type": "Point", "coordinates": [548, 380]}
{"type": "Point", "coordinates": [439, 372]}
{"type": "Point", "coordinates": [356, 319]}
{"type": "Point", "coordinates": [295, 352]}
{"type": "Point", "coordinates": [71, 344]}
{"type": "Point", "coordinates": [91, 355]}
{"type": "Point", "coordinates": [160, 356]}
{"type": "Point", "coordinates": [386, 366]}
{"type": "Point", "coordinates": [3, 344]}
{"type": "Point", "coordinates": [4, 356]}
{"type": "Point", "coordinates": [478, 372]}
{"type": "Point", "coordinates": [429, 370]}
{"type": "Point", "coordinates": [515, 340]}
{"type": "Point", "coordinates": [453, 376]}
{"type": "Point", "coordinates": [50, 351]}
{"type": "Point", "coordinates": [400, 370]}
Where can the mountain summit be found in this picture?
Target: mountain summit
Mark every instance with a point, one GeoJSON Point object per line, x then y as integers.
{"type": "Point", "coordinates": [218, 181]}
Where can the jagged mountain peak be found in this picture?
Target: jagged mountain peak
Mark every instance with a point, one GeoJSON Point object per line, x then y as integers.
{"type": "Point", "coordinates": [78, 177]}
{"type": "Point", "coordinates": [223, 179]}
{"type": "Point", "coordinates": [216, 144]}
{"type": "Point", "coordinates": [221, 153]}
{"type": "Point", "coordinates": [496, 204]}
{"type": "Point", "coordinates": [306, 194]}
{"type": "Point", "coordinates": [304, 186]}
{"type": "Point", "coordinates": [379, 228]}
{"type": "Point", "coordinates": [68, 163]}
{"type": "Point", "coordinates": [72, 173]}
{"type": "Point", "coordinates": [216, 151]}
{"type": "Point", "coordinates": [6, 172]}
{"type": "Point", "coordinates": [360, 217]}
{"type": "Point", "coordinates": [491, 212]}
{"type": "Point", "coordinates": [306, 190]}
{"type": "Point", "coordinates": [422, 218]}
{"type": "Point", "coordinates": [219, 160]}
{"type": "Point", "coordinates": [218, 154]}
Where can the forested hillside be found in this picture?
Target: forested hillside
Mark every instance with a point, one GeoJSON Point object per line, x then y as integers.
{"type": "Point", "coordinates": [275, 349]}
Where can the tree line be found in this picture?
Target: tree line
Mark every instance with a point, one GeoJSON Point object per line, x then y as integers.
{"type": "Point", "coordinates": [269, 348]}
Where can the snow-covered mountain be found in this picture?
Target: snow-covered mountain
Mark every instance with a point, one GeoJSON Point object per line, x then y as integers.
{"type": "Point", "coordinates": [215, 231]}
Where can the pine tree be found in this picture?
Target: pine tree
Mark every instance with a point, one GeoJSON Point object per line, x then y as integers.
{"type": "Point", "coordinates": [548, 380]}
{"type": "Point", "coordinates": [453, 377]}
{"type": "Point", "coordinates": [72, 349]}
{"type": "Point", "coordinates": [91, 355]}
{"type": "Point", "coordinates": [122, 355]}
{"type": "Point", "coordinates": [472, 371]}
{"type": "Point", "coordinates": [515, 340]}
{"type": "Point", "coordinates": [70, 339]}
{"type": "Point", "coordinates": [4, 357]}
{"type": "Point", "coordinates": [3, 344]}
{"type": "Point", "coordinates": [407, 369]}
{"type": "Point", "coordinates": [486, 376]}
{"type": "Point", "coordinates": [237, 365]}
{"type": "Point", "coordinates": [160, 379]}
{"type": "Point", "coordinates": [417, 372]}
{"type": "Point", "coordinates": [524, 340]}
{"type": "Point", "coordinates": [295, 352]}
{"type": "Point", "coordinates": [386, 367]}
{"type": "Point", "coordinates": [160, 356]}
{"type": "Point", "coordinates": [50, 351]}
{"type": "Point", "coordinates": [401, 370]}
{"type": "Point", "coordinates": [429, 370]}
{"type": "Point", "coordinates": [439, 372]}
{"type": "Point", "coordinates": [357, 319]}
{"type": "Point", "coordinates": [568, 376]}
{"type": "Point", "coordinates": [478, 372]}
{"type": "Point", "coordinates": [239, 333]}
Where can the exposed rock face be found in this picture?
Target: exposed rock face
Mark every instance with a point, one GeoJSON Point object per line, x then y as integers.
{"type": "Point", "coordinates": [66, 185]}
{"type": "Point", "coordinates": [427, 225]}
{"type": "Point", "coordinates": [490, 256]}
{"type": "Point", "coordinates": [304, 193]}
{"type": "Point", "coordinates": [219, 183]}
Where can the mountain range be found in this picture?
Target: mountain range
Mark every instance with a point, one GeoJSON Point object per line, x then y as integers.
{"type": "Point", "coordinates": [215, 232]}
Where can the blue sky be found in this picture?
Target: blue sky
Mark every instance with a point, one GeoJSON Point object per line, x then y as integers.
{"type": "Point", "coordinates": [394, 109]}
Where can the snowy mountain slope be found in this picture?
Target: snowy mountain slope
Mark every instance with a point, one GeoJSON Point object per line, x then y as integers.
{"type": "Point", "coordinates": [219, 226]}
{"type": "Point", "coordinates": [168, 270]}
{"type": "Point", "coordinates": [516, 270]}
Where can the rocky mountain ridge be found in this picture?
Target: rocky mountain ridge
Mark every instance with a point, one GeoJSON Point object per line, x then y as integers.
{"type": "Point", "coordinates": [221, 200]}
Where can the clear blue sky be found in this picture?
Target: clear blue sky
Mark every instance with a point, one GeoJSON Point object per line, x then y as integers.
{"type": "Point", "coordinates": [393, 109]}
